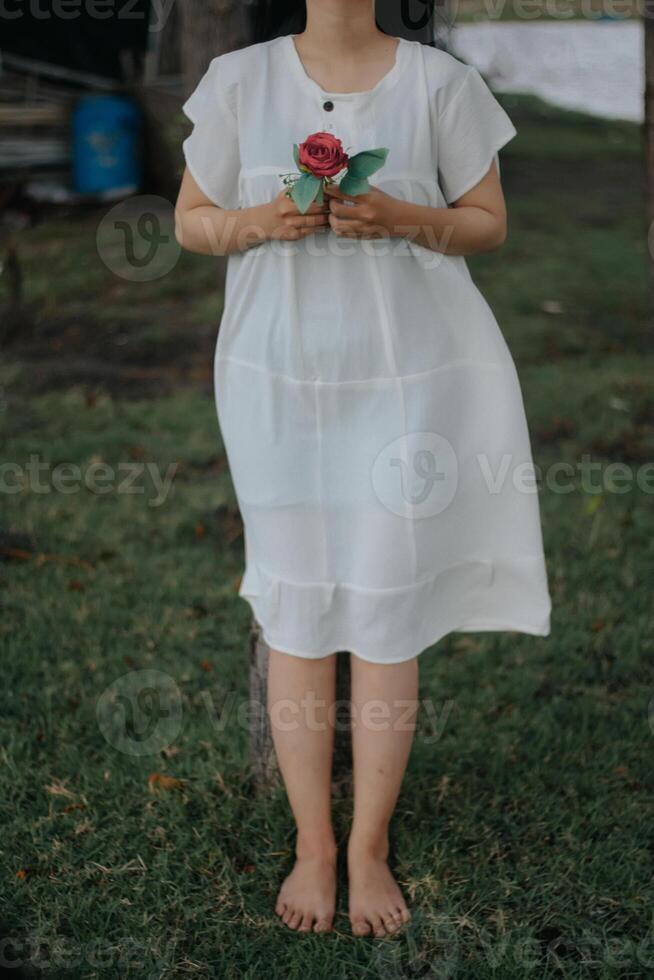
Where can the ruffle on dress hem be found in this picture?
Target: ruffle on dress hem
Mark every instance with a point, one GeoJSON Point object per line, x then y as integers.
{"type": "Point", "coordinates": [388, 626]}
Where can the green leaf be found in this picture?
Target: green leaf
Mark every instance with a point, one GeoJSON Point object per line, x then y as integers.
{"type": "Point", "coordinates": [320, 197]}
{"type": "Point", "coordinates": [367, 162]}
{"type": "Point", "coordinates": [305, 190]}
{"type": "Point", "coordinates": [354, 185]}
{"type": "Point", "coordinates": [296, 154]}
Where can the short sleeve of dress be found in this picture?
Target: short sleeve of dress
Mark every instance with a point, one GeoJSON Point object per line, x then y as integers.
{"type": "Point", "coordinates": [211, 151]}
{"type": "Point", "coordinates": [472, 128]}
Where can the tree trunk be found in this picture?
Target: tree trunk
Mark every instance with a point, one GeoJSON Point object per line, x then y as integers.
{"type": "Point", "coordinates": [649, 138]}
{"type": "Point", "coordinates": [209, 28]}
{"type": "Point", "coordinates": [262, 752]}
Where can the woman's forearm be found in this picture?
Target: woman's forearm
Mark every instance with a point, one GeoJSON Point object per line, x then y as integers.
{"type": "Point", "coordinates": [217, 231]}
{"type": "Point", "coordinates": [465, 230]}
{"type": "Point", "coordinates": [453, 231]}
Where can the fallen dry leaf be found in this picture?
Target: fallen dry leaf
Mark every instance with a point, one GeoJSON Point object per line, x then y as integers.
{"type": "Point", "coordinates": [466, 643]}
{"type": "Point", "coordinates": [58, 789]}
{"type": "Point", "coordinates": [43, 557]}
{"type": "Point", "coordinates": [158, 781]}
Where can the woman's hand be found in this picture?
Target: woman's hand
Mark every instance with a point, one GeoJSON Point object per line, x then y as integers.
{"type": "Point", "coordinates": [369, 215]}
{"type": "Point", "coordinates": [284, 222]}
{"type": "Point", "coordinates": [473, 224]}
{"type": "Point", "coordinates": [201, 226]}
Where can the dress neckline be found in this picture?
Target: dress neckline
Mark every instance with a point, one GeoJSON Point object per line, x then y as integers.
{"type": "Point", "coordinates": [384, 83]}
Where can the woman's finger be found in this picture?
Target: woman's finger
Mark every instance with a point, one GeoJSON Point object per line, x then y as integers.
{"type": "Point", "coordinates": [315, 208]}
{"type": "Point", "coordinates": [354, 227]}
{"type": "Point", "coordinates": [302, 231]}
{"type": "Point", "coordinates": [301, 220]}
{"type": "Point", "coordinates": [343, 210]}
{"type": "Point", "coordinates": [333, 191]}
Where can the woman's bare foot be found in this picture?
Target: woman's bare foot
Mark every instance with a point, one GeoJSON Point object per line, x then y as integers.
{"type": "Point", "coordinates": [307, 898]}
{"type": "Point", "coordinates": [376, 902]}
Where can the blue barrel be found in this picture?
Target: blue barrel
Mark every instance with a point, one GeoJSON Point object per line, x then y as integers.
{"type": "Point", "coordinates": [106, 146]}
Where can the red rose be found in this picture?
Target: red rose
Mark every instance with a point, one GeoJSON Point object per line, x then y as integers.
{"type": "Point", "coordinates": [322, 154]}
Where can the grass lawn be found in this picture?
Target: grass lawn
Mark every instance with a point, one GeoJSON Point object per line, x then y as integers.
{"type": "Point", "coordinates": [523, 835]}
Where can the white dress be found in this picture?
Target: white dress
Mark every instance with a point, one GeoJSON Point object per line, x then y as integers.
{"type": "Point", "coordinates": [370, 408]}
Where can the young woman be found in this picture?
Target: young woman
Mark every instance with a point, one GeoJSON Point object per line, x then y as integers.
{"type": "Point", "coordinates": [370, 408]}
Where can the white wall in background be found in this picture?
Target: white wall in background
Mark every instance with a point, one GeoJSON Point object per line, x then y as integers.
{"type": "Point", "coordinates": [597, 67]}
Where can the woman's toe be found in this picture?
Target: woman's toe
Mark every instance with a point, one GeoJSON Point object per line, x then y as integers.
{"type": "Point", "coordinates": [360, 927]}
{"type": "Point", "coordinates": [296, 918]}
{"type": "Point", "coordinates": [323, 924]}
{"type": "Point", "coordinates": [306, 923]}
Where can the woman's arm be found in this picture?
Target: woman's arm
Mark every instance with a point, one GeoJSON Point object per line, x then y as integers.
{"type": "Point", "coordinates": [474, 223]}
{"type": "Point", "coordinates": [201, 226]}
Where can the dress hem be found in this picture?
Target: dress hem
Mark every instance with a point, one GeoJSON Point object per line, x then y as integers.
{"type": "Point", "coordinates": [468, 626]}
{"type": "Point", "coordinates": [507, 594]}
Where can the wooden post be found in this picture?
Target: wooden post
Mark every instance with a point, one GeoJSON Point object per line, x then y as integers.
{"type": "Point", "coordinates": [649, 138]}
{"type": "Point", "coordinates": [14, 319]}
{"type": "Point", "coordinates": [262, 752]}
{"type": "Point", "coordinates": [209, 28]}
{"type": "Point", "coordinates": [342, 769]}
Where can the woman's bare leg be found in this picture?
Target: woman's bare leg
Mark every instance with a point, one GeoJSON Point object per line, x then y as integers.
{"type": "Point", "coordinates": [301, 694]}
{"type": "Point", "coordinates": [384, 704]}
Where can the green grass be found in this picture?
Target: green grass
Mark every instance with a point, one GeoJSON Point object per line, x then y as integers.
{"type": "Point", "coordinates": [523, 833]}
